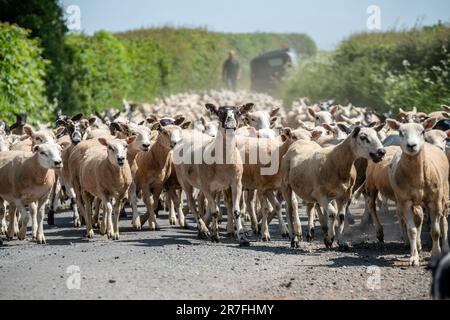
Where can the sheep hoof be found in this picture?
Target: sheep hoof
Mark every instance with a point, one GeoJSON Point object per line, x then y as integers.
{"type": "Point", "coordinates": [414, 261]}
{"type": "Point", "coordinates": [329, 243]}
{"type": "Point", "coordinates": [265, 238]}
{"type": "Point", "coordinates": [203, 235]}
{"type": "Point", "coordinates": [136, 223]}
{"type": "Point", "coordinates": [285, 235]}
{"type": "Point", "coordinates": [90, 234]}
{"type": "Point", "coordinates": [41, 240]}
{"type": "Point", "coordinates": [244, 242]}
{"type": "Point", "coordinates": [309, 237]}
{"type": "Point", "coordinates": [116, 236]}
{"type": "Point", "coordinates": [295, 244]}
{"type": "Point", "coordinates": [215, 239]}
{"type": "Point", "coordinates": [76, 223]}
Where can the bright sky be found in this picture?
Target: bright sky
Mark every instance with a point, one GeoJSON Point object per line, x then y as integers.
{"type": "Point", "coordinates": [326, 21]}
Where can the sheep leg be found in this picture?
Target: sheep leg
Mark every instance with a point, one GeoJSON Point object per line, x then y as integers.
{"type": "Point", "coordinates": [372, 207]}
{"type": "Point", "coordinates": [341, 222]}
{"type": "Point", "coordinates": [149, 203]}
{"type": "Point", "coordinates": [331, 213]}
{"type": "Point", "coordinates": [88, 199]}
{"type": "Point", "coordinates": [117, 207]}
{"type": "Point", "coordinates": [3, 226]}
{"type": "Point", "coordinates": [212, 207]}
{"type": "Point", "coordinates": [311, 215]}
{"type": "Point", "coordinates": [34, 220]}
{"type": "Point", "coordinates": [176, 205]}
{"type": "Point", "coordinates": [40, 221]}
{"type": "Point", "coordinates": [236, 194]}
{"type": "Point", "coordinates": [230, 223]}
{"type": "Point", "coordinates": [108, 211]}
{"type": "Point", "coordinates": [444, 234]}
{"type": "Point", "coordinates": [244, 203]}
{"type": "Point", "coordinates": [251, 204]}
{"type": "Point", "coordinates": [204, 213]}
{"type": "Point", "coordinates": [277, 207]}
{"type": "Point", "coordinates": [203, 231]}
{"type": "Point", "coordinates": [23, 220]}
{"type": "Point", "coordinates": [53, 203]}
{"type": "Point", "coordinates": [414, 217]}
{"type": "Point", "coordinates": [265, 234]}
{"type": "Point", "coordinates": [323, 219]}
{"type": "Point", "coordinates": [95, 218]}
{"type": "Point", "coordinates": [348, 213]}
{"type": "Point", "coordinates": [12, 222]}
{"type": "Point", "coordinates": [294, 225]}
{"type": "Point", "coordinates": [136, 221]}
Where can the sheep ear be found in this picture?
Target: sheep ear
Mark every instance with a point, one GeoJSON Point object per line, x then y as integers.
{"type": "Point", "coordinates": [77, 117]}
{"type": "Point", "coordinates": [61, 123]}
{"type": "Point", "coordinates": [116, 126]}
{"type": "Point", "coordinates": [328, 127]}
{"type": "Point", "coordinates": [380, 127]}
{"type": "Point", "coordinates": [356, 131]}
{"type": "Point", "coordinates": [274, 112]}
{"type": "Point", "coordinates": [157, 127]}
{"type": "Point", "coordinates": [103, 141]}
{"type": "Point", "coordinates": [246, 108]}
{"type": "Point", "coordinates": [131, 139]}
{"type": "Point", "coordinates": [344, 128]}
{"type": "Point", "coordinates": [179, 120]}
{"type": "Point", "coordinates": [212, 108]}
{"type": "Point", "coordinates": [186, 125]}
{"type": "Point", "coordinates": [152, 119]}
{"type": "Point", "coordinates": [92, 121]}
{"type": "Point", "coordinates": [286, 134]}
{"type": "Point", "coordinates": [372, 124]}
{"type": "Point", "coordinates": [445, 108]}
{"type": "Point", "coordinates": [316, 134]}
{"type": "Point", "coordinates": [429, 123]}
{"type": "Point", "coordinates": [124, 128]}
{"type": "Point", "coordinates": [333, 110]}
{"type": "Point", "coordinates": [28, 130]}
{"type": "Point", "coordinates": [273, 121]}
{"type": "Point", "coordinates": [393, 124]}
{"type": "Point", "coordinates": [446, 115]}
{"type": "Point", "coordinates": [311, 112]}
{"type": "Point", "coordinates": [116, 115]}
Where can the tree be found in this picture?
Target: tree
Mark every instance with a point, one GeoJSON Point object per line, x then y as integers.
{"type": "Point", "coordinates": [45, 19]}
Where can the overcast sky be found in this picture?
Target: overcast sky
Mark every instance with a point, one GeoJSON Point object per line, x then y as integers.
{"type": "Point", "coordinates": [326, 21]}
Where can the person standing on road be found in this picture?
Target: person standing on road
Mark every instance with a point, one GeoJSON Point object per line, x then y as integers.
{"type": "Point", "coordinates": [231, 71]}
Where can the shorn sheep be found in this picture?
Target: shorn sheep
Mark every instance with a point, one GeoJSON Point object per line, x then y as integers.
{"type": "Point", "coordinates": [419, 176]}
{"type": "Point", "coordinates": [322, 175]}
{"type": "Point", "coordinates": [28, 177]}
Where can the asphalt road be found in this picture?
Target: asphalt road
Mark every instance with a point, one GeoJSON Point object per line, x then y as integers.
{"type": "Point", "coordinates": [174, 264]}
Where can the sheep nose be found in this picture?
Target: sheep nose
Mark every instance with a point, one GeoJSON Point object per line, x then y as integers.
{"type": "Point", "coordinates": [411, 145]}
{"type": "Point", "coordinates": [146, 146]}
{"type": "Point", "coordinates": [58, 163]}
{"type": "Point", "coordinates": [381, 152]}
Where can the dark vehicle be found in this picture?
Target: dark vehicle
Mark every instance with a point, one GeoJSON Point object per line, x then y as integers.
{"type": "Point", "coordinates": [268, 69]}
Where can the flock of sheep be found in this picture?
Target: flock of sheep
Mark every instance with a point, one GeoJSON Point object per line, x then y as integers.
{"type": "Point", "coordinates": [326, 156]}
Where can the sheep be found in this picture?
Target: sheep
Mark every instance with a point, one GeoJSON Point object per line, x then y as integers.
{"type": "Point", "coordinates": [28, 177]}
{"type": "Point", "coordinates": [263, 122]}
{"type": "Point", "coordinates": [411, 116]}
{"type": "Point", "coordinates": [323, 117]}
{"type": "Point", "coordinates": [321, 175]}
{"type": "Point", "coordinates": [438, 138]}
{"type": "Point", "coordinates": [419, 176]}
{"type": "Point", "coordinates": [17, 127]}
{"type": "Point", "coordinates": [106, 174]}
{"type": "Point", "coordinates": [154, 167]}
{"type": "Point", "coordinates": [254, 177]}
{"type": "Point", "coordinates": [145, 138]}
{"type": "Point", "coordinates": [77, 131]}
{"type": "Point", "coordinates": [34, 138]}
{"type": "Point", "coordinates": [222, 171]}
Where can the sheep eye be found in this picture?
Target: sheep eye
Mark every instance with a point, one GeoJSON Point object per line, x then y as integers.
{"type": "Point", "coordinates": [110, 148]}
{"type": "Point", "coordinates": [317, 118]}
{"type": "Point", "coordinates": [43, 154]}
{"type": "Point", "coordinates": [400, 134]}
{"type": "Point", "coordinates": [38, 139]}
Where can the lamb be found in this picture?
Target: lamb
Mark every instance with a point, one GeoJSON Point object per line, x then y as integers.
{"type": "Point", "coordinates": [321, 175]}
{"type": "Point", "coordinates": [221, 171]}
{"type": "Point", "coordinates": [106, 174]}
{"type": "Point", "coordinates": [28, 177]}
{"type": "Point", "coordinates": [263, 122]}
{"type": "Point", "coordinates": [419, 176]}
